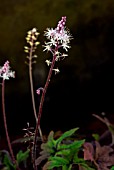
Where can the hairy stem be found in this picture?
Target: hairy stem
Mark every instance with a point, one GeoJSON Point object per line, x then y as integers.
{"type": "Point", "coordinates": [5, 125]}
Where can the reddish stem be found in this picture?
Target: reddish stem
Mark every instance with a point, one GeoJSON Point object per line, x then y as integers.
{"type": "Point", "coordinates": [5, 125]}
{"type": "Point", "coordinates": [44, 93]}
{"type": "Point", "coordinates": [42, 102]}
{"type": "Point", "coordinates": [31, 86]}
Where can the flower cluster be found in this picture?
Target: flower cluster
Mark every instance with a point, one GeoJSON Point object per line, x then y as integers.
{"type": "Point", "coordinates": [5, 71]}
{"type": "Point", "coordinates": [31, 39]}
{"type": "Point", "coordinates": [57, 38]}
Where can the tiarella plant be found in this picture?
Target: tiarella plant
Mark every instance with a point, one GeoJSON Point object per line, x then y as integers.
{"type": "Point", "coordinates": [65, 152]}
{"type": "Point", "coordinates": [5, 74]}
{"type": "Point", "coordinates": [31, 39]}
{"type": "Point", "coordinates": [9, 162]}
{"type": "Point", "coordinates": [58, 38]}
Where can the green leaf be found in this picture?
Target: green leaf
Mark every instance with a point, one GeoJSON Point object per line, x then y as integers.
{"type": "Point", "coordinates": [86, 167]}
{"type": "Point", "coordinates": [48, 147]}
{"type": "Point", "coordinates": [96, 136]}
{"type": "Point", "coordinates": [51, 141]}
{"type": "Point", "coordinates": [51, 165]}
{"type": "Point", "coordinates": [64, 152]}
{"type": "Point", "coordinates": [22, 156]}
{"type": "Point", "coordinates": [65, 135]}
{"type": "Point", "coordinates": [7, 162]}
{"type": "Point", "coordinates": [78, 160]}
{"type": "Point", "coordinates": [50, 144]}
{"type": "Point", "coordinates": [112, 168]}
{"type": "Point", "coordinates": [57, 162]}
{"type": "Point", "coordinates": [65, 167]}
{"type": "Point", "coordinates": [51, 136]}
{"type": "Point", "coordinates": [75, 145]}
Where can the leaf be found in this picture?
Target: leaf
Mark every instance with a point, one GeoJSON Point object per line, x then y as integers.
{"type": "Point", "coordinates": [7, 162]}
{"type": "Point", "coordinates": [88, 151]}
{"type": "Point", "coordinates": [52, 149]}
{"type": "Point", "coordinates": [61, 160]}
{"type": "Point", "coordinates": [74, 145]}
{"type": "Point", "coordinates": [22, 156]}
{"type": "Point", "coordinates": [78, 160]}
{"type": "Point", "coordinates": [104, 155]}
{"type": "Point", "coordinates": [55, 162]}
{"type": "Point", "coordinates": [50, 144]}
{"type": "Point", "coordinates": [112, 168]}
{"type": "Point", "coordinates": [65, 135]}
{"type": "Point", "coordinates": [41, 158]}
{"type": "Point", "coordinates": [65, 167]}
{"type": "Point", "coordinates": [84, 166]}
{"type": "Point", "coordinates": [96, 136]}
{"type": "Point", "coordinates": [64, 152]}
{"type": "Point", "coordinates": [47, 147]}
{"type": "Point", "coordinates": [51, 136]}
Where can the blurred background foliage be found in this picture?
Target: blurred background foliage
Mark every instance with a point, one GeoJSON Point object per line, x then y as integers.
{"type": "Point", "coordinates": [85, 83]}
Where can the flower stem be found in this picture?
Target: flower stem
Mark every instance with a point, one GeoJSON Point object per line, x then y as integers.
{"type": "Point", "coordinates": [42, 102]}
{"type": "Point", "coordinates": [32, 92]}
{"type": "Point", "coordinates": [31, 81]}
{"type": "Point", "coordinates": [5, 125]}
{"type": "Point", "coordinates": [44, 92]}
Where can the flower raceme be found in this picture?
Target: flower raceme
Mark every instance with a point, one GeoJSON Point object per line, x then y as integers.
{"type": "Point", "coordinates": [5, 71]}
{"type": "Point", "coordinates": [58, 38]}
{"type": "Point", "coordinates": [32, 42]}
{"type": "Point", "coordinates": [58, 41]}
{"type": "Point", "coordinates": [32, 39]}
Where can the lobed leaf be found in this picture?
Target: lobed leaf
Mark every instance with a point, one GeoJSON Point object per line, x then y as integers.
{"type": "Point", "coordinates": [74, 145]}
{"type": "Point", "coordinates": [65, 135]}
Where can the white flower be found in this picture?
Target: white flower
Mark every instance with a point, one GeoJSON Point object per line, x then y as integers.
{"type": "Point", "coordinates": [64, 55]}
{"type": "Point", "coordinates": [58, 37]}
{"type": "Point", "coordinates": [56, 70]}
{"type": "Point", "coordinates": [50, 33]}
{"type": "Point", "coordinates": [5, 76]}
{"type": "Point", "coordinates": [48, 62]}
{"type": "Point", "coordinates": [65, 46]}
{"type": "Point", "coordinates": [5, 71]}
{"type": "Point", "coordinates": [47, 47]}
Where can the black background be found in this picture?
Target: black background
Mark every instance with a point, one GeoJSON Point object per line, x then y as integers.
{"type": "Point", "coordinates": [85, 83]}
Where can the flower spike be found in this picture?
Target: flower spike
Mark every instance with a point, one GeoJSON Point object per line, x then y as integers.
{"type": "Point", "coordinates": [5, 71]}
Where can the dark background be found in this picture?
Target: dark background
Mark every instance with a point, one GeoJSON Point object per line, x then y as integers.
{"type": "Point", "coordinates": [85, 84]}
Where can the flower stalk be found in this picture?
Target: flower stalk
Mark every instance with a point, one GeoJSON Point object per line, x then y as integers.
{"type": "Point", "coordinates": [5, 123]}
{"type": "Point", "coordinates": [32, 41]}
{"type": "Point", "coordinates": [44, 93]}
{"type": "Point", "coordinates": [5, 74]}
{"type": "Point", "coordinates": [57, 38]}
